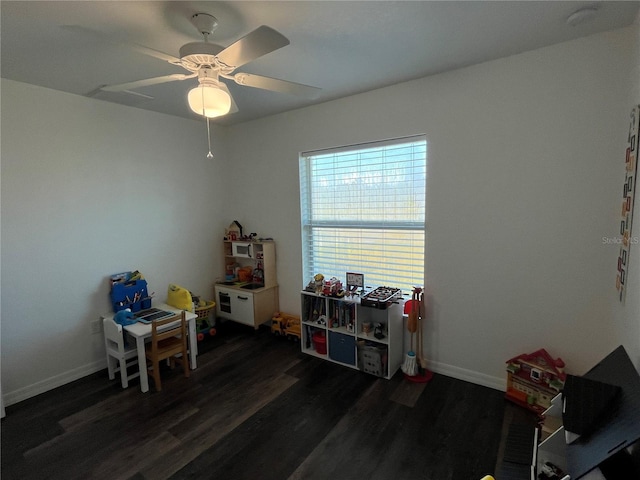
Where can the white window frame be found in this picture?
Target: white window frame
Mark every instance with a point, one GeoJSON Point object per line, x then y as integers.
{"type": "Point", "coordinates": [403, 247]}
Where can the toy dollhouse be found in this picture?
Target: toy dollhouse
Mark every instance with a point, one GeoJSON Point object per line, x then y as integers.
{"type": "Point", "coordinates": [534, 379]}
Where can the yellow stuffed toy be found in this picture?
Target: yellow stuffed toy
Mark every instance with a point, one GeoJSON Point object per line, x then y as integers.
{"type": "Point", "coordinates": [179, 297]}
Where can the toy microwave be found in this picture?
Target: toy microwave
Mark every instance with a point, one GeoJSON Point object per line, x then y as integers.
{"type": "Point", "coordinates": [242, 249]}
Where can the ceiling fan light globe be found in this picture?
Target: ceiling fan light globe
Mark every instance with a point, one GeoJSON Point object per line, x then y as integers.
{"type": "Point", "coordinates": [209, 101]}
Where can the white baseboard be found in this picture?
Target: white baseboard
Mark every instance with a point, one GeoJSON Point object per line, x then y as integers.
{"type": "Point", "coordinates": [54, 382]}
{"type": "Point", "coordinates": [477, 378]}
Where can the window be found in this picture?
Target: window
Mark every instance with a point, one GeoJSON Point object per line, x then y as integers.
{"type": "Point", "coordinates": [363, 210]}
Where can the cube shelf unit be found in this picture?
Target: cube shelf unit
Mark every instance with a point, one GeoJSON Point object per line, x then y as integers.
{"type": "Point", "coordinates": [346, 340]}
{"type": "Point", "coordinates": [553, 447]}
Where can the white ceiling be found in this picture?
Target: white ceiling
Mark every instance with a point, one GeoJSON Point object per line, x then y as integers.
{"type": "Point", "coordinates": [342, 47]}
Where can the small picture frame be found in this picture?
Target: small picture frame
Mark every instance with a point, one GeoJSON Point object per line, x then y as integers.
{"type": "Point", "coordinates": [354, 282]}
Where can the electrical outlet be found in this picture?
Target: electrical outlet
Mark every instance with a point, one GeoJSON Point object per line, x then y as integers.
{"type": "Point", "coordinates": [95, 327]}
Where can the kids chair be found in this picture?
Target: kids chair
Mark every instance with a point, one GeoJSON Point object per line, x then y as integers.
{"type": "Point", "coordinates": [119, 355]}
{"type": "Point", "coordinates": [167, 343]}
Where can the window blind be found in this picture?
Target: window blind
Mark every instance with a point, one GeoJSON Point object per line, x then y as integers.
{"type": "Point", "coordinates": [363, 210]}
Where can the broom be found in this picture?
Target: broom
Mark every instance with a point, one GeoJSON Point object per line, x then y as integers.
{"type": "Point", "coordinates": [422, 375]}
{"type": "Point", "coordinates": [410, 368]}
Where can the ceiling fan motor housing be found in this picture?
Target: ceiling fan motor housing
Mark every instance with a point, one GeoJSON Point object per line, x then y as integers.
{"type": "Point", "coordinates": [199, 54]}
{"type": "Point", "coordinates": [208, 76]}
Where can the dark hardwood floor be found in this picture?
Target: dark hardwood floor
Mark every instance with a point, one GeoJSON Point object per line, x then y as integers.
{"type": "Point", "coordinates": [256, 408]}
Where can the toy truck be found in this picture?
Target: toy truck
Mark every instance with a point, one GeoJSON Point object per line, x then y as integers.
{"type": "Point", "coordinates": [286, 325]}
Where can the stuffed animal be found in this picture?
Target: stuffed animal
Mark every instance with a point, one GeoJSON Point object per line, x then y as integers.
{"type": "Point", "coordinates": [125, 317]}
{"type": "Point", "coordinates": [319, 282]}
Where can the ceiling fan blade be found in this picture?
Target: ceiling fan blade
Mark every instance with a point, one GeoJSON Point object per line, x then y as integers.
{"type": "Point", "coordinates": [282, 86]}
{"type": "Point", "coordinates": [253, 45]}
{"type": "Point", "coordinates": [138, 48]}
{"type": "Point", "coordinates": [97, 91]}
{"type": "Point", "coordinates": [153, 53]}
{"type": "Point", "coordinates": [234, 107]}
{"type": "Point", "coordinates": [148, 81]}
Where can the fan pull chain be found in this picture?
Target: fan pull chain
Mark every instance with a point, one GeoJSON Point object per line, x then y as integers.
{"type": "Point", "coordinates": [209, 155]}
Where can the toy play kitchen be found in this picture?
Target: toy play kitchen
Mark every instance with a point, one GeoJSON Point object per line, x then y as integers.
{"type": "Point", "coordinates": [249, 292]}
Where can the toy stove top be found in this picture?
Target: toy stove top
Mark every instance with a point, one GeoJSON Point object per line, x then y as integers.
{"type": "Point", "coordinates": [381, 297]}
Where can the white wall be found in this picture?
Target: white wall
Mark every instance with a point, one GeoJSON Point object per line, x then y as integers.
{"type": "Point", "coordinates": [524, 172]}
{"type": "Point", "coordinates": [89, 189]}
{"type": "Point", "coordinates": [627, 315]}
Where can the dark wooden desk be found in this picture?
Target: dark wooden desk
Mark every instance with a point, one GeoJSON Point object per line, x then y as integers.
{"type": "Point", "coordinates": [622, 426]}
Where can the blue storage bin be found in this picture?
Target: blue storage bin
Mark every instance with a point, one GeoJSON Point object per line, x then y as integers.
{"type": "Point", "coordinates": [342, 348]}
{"type": "Point", "coordinates": [128, 294]}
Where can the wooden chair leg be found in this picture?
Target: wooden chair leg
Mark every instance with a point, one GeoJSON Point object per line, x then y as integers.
{"type": "Point", "coordinates": [156, 375]}
{"type": "Point", "coordinates": [185, 366]}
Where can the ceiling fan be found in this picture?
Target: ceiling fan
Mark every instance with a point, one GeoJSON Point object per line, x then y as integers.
{"type": "Point", "coordinates": [209, 63]}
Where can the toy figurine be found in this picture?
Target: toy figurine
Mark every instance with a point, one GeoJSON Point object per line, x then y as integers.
{"type": "Point", "coordinates": [378, 331]}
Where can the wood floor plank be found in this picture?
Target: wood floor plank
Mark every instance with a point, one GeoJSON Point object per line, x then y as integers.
{"type": "Point", "coordinates": [408, 393]}
{"type": "Point", "coordinates": [125, 462]}
{"type": "Point", "coordinates": [114, 405]}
